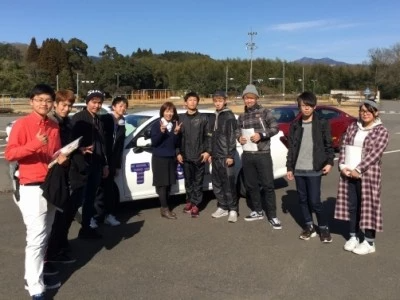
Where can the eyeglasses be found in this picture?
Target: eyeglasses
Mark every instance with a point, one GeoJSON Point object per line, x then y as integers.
{"type": "Point", "coordinates": [43, 101]}
{"type": "Point", "coordinates": [365, 112]}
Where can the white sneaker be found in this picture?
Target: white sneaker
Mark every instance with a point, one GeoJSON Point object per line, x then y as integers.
{"type": "Point", "coordinates": [364, 248]}
{"type": "Point", "coordinates": [232, 216]}
{"type": "Point", "coordinates": [351, 244]}
{"type": "Point", "coordinates": [93, 223]}
{"type": "Point", "coordinates": [111, 220]}
{"type": "Point", "coordinates": [220, 213]}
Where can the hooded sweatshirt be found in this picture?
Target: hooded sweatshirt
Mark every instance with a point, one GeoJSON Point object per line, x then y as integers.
{"type": "Point", "coordinates": [361, 135]}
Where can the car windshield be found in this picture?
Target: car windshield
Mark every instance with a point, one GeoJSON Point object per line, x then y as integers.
{"type": "Point", "coordinates": [132, 122]}
{"type": "Point", "coordinates": [285, 114]}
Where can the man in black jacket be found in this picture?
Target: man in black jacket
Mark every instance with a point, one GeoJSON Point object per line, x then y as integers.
{"type": "Point", "coordinates": [194, 152]}
{"type": "Point", "coordinates": [223, 155]}
{"type": "Point", "coordinates": [310, 155]}
{"type": "Point", "coordinates": [86, 123]}
{"type": "Point", "coordinates": [58, 241]}
{"type": "Point", "coordinates": [114, 134]}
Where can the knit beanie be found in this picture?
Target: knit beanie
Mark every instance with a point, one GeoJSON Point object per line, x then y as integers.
{"type": "Point", "coordinates": [250, 89]}
{"type": "Point", "coordinates": [94, 93]}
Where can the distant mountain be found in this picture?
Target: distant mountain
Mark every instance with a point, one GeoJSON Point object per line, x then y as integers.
{"type": "Point", "coordinates": [323, 61]}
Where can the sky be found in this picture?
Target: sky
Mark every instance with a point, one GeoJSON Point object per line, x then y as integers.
{"type": "Point", "coordinates": [285, 30]}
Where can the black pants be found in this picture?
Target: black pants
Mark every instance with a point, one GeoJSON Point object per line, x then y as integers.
{"type": "Point", "coordinates": [258, 173]}
{"type": "Point", "coordinates": [194, 176]}
{"type": "Point", "coordinates": [58, 239]}
{"type": "Point", "coordinates": [106, 198]}
{"type": "Point", "coordinates": [95, 172]}
{"type": "Point", "coordinates": [223, 181]}
{"type": "Point", "coordinates": [163, 194]}
{"type": "Point", "coordinates": [354, 195]}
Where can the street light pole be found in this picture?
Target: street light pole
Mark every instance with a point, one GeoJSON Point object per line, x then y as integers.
{"type": "Point", "coordinates": [313, 88]}
{"type": "Point", "coordinates": [251, 46]}
{"type": "Point", "coordinates": [302, 81]}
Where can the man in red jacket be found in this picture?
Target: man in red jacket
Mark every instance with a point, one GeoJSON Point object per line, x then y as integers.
{"type": "Point", "coordinates": [32, 142]}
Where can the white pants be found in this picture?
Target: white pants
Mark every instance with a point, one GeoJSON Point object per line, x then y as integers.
{"type": "Point", "coordinates": [38, 217]}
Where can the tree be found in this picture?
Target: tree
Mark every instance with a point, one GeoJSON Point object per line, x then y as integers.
{"type": "Point", "coordinates": [77, 54]}
{"type": "Point", "coordinates": [33, 52]}
{"type": "Point", "coordinates": [53, 59]}
{"type": "Point", "coordinates": [9, 52]}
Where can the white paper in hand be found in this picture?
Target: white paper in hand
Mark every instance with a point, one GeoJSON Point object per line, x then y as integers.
{"type": "Point", "coordinates": [352, 156]}
{"type": "Point", "coordinates": [249, 146]}
{"type": "Point", "coordinates": [66, 150]}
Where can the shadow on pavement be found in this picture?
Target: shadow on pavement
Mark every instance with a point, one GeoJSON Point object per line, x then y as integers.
{"type": "Point", "coordinates": [85, 250]}
{"type": "Point", "coordinates": [290, 205]}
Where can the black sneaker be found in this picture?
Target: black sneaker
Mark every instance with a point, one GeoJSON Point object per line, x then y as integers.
{"type": "Point", "coordinates": [49, 269]}
{"type": "Point", "coordinates": [38, 297]}
{"type": "Point", "coordinates": [307, 233]}
{"type": "Point", "coordinates": [254, 216]}
{"type": "Point", "coordinates": [325, 235]}
{"type": "Point", "coordinates": [89, 233]}
{"type": "Point", "coordinates": [275, 223]}
{"type": "Point", "coordinates": [51, 282]}
{"type": "Point", "coordinates": [62, 258]}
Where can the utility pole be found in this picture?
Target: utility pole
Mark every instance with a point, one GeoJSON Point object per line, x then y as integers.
{"type": "Point", "coordinates": [302, 82]}
{"type": "Point", "coordinates": [226, 81]}
{"type": "Point", "coordinates": [283, 78]}
{"type": "Point", "coordinates": [117, 74]}
{"type": "Point", "coordinates": [77, 86]}
{"type": "Point", "coordinates": [251, 46]}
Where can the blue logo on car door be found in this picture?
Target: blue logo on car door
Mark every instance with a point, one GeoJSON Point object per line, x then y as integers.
{"type": "Point", "coordinates": [140, 168]}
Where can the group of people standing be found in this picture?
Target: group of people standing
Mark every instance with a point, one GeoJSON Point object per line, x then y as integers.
{"type": "Point", "coordinates": [49, 197]}
{"type": "Point", "coordinates": [192, 139]}
{"type": "Point", "coordinates": [85, 177]}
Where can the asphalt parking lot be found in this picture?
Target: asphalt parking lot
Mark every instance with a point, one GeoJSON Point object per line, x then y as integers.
{"type": "Point", "coordinates": [148, 257]}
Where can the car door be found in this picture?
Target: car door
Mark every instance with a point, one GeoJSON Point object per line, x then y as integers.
{"type": "Point", "coordinates": [137, 181]}
{"type": "Point", "coordinates": [336, 123]}
{"type": "Point", "coordinates": [138, 176]}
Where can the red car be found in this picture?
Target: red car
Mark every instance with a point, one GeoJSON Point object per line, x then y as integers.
{"type": "Point", "coordinates": [338, 119]}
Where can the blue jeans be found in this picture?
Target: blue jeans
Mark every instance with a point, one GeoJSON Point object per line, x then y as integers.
{"type": "Point", "coordinates": [309, 193]}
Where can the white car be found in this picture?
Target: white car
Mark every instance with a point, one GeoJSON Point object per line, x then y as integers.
{"type": "Point", "coordinates": [135, 179]}
{"type": "Point", "coordinates": [76, 107]}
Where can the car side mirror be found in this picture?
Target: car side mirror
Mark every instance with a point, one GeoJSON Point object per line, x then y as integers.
{"type": "Point", "coordinates": [147, 133]}
{"type": "Point", "coordinates": [143, 142]}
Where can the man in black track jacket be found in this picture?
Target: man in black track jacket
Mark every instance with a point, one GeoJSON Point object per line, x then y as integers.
{"type": "Point", "coordinates": [193, 152]}
{"type": "Point", "coordinates": [223, 154]}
